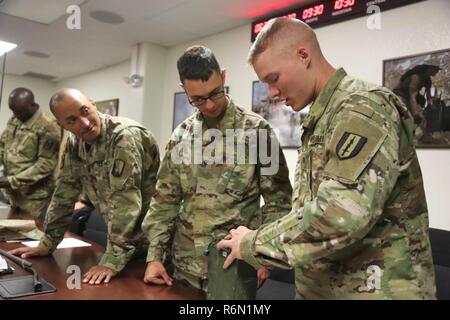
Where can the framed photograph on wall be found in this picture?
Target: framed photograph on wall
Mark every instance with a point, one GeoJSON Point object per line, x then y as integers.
{"type": "Point", "coordinates": [182, 109]}
{"type": "Point", "coordinates": [285, 122]}
{"type": "Point", "coordinates": [110, 107]}
{"type": "Point", "coordinates": [423, 82]}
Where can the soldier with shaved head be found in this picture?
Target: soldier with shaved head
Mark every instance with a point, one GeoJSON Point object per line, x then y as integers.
{"type": "Point", "coordinates": [113, 161]}
{"type": "Point", "coordinates": [28, 154]}
{"type": "Point", "coordinates": [358, 228]}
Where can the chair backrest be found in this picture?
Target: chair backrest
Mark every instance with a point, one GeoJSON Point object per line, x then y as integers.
{"type": "Point", "coordinates": [440, 247]}
{"type": "Point", "coordinates": [283, 275]}
{"type": "Point", "coordinates": [96, 228]}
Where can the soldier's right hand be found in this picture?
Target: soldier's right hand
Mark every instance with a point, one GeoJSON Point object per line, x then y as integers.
{"type": "Point", "coordinates": [157, 274]}
{"type": "Point", "coordinates": [25, 252]}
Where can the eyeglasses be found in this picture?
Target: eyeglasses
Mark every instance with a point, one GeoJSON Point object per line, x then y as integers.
{"type": "Point", "coordinates": [201, 100]}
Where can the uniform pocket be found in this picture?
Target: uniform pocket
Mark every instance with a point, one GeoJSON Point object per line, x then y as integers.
{"type": "Point", "coordinates": [27, 145]}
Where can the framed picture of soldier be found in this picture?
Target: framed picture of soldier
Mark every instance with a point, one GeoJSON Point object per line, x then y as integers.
{"type": "Point", "coordinates": [285, 122]}
{"type": "Point", "coordinates": [423, 83]}
{"type": "Point", "coordinates": [182, 109]}
{"type": "Point", "coordinates": [110, 107]}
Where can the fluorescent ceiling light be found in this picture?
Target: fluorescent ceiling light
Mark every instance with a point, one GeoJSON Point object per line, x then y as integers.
{"type": "Point", "coordinates": [6, 46]}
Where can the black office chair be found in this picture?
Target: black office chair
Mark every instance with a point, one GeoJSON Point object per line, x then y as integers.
{"type": "Point", "coordinates": [96, 229]}
{"type": "Point", "coordinates": [440, 247]}
{"type": "Point", "coordinates": [279, 286]}
{"type": "Point", "coordinates": [89, 224]}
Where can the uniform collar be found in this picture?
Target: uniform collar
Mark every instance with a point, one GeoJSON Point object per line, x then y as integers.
{"type": "Point", "coordinates": [320, 104]}
{"type": "Point", "coordinates": [227, 121]}
{"type": "Point", "coordinates": [30, 122]}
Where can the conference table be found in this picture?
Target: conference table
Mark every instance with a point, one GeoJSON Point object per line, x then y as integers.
{"type": "Point", "coordinates": [127, 285]}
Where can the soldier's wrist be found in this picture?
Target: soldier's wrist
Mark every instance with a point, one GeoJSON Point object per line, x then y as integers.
{"type": "Point", "coordinates": [112, 262]}
{"type": "Point", "coordinates": [48, 244]}
{"type": "Point", "coordinates": [155, 254]}
{"type": "Point", "coordinates": [247, 249]}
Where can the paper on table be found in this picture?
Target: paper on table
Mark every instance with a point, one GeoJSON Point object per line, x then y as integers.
{"type": "Point", "coordinates": [3, 264]}
{"type": "Point", "coordinates": [66, 243]}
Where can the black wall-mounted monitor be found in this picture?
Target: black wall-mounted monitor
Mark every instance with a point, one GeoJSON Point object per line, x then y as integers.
{"type": "Point", "coordinates": [327, 12]}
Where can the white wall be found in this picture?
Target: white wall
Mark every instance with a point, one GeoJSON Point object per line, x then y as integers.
{"type": "Point", "coordinates": [106, 84]}
{"type": "Point", "coordinates": [412, 29]}
{"type": "Point", "coordinates": [42, 90]}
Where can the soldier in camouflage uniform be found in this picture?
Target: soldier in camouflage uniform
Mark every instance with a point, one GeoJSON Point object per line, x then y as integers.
{"type": "Point", "coordinates": [114, 161]}
{"type": "Point", "coordinates": [199, 203]}
{"type": "Point", "coordinates": [28, 154]}
{"type": "Point", "coordinates": [358, 228]}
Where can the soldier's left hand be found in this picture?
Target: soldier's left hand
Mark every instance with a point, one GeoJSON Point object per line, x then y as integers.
{"type": "Point", "coordinates": [99, 274]}
{"type": "Point", "coordinates": [233, 241]}
{"type": "Point", "coordinates": [262, 274]}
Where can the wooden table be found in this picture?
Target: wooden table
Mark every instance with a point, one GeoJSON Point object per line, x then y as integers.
{"type": "Point", "coordinates": [127, 285]}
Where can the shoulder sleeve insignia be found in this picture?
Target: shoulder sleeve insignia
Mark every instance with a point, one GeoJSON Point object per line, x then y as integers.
{"type": "Point", "coordinates": [350, 145]}
{"type": "Point", "coordinates": [118, 167]}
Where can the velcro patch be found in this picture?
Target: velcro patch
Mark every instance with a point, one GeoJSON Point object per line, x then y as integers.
{"type": "Point", "coordinates": [118, 167]}
{"type": "Point", "coordinates": [350, 145]}
{"type": "Point", "coordinates": [358, 146]}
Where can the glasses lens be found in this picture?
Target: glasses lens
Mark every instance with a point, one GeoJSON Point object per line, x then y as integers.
{"type": "Point", "coordinates": [217, 95]}
{"type": "Point", "coordinates": [198, 102]}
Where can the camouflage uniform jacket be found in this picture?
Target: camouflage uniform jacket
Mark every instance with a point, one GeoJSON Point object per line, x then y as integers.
{"type": "Point", "coordinates": [200, 203]}
{"type": "Point", "coordinates": [118, 175]}
{"type": "Point", "coordinates": [28, 154]}
{"type": "Point", "coordinates": [358, 228]}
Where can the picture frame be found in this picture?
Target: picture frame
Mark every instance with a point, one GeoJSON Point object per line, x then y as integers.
{"type": "Point", "coordinates": [110, 107]}
{"type": "Point", "coordinates": [432, 123]}
{"type": "Point", "coordinates": [182, 109]}
{"type": "Point", "coordinates": [285, 122]}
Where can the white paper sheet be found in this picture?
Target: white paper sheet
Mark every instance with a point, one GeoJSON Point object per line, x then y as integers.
{"type": "Point", "coordinates": [66, 243]}
{"type": "Point", "coordinates": [3, 264]}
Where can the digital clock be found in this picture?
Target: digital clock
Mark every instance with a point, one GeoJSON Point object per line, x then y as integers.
{"type": "Point", "coordinates": [312, 11]}
{"type": "Point", "coordinates": [342, 4]}
{"type": "Point", "coordinates": [324, 12]}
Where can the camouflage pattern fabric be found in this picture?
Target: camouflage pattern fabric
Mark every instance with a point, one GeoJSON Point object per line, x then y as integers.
{"type": "Point", "coordinates": [28, 154]}
{"type": "Point", "coordinates": [13, 229]}
{"type": "Point", "coordinates": [117, 173]}
{"type": "Point", "coordinates": [358, 228]}
{"type": "Point", "coordinates": [195, 204]}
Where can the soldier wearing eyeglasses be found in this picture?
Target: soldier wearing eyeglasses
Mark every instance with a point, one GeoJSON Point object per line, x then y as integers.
{"type": "Point", "coordinates": [196, 204]}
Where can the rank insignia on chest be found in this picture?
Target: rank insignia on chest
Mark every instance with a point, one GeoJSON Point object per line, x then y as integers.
{"type": "Point", "coordinates": [117, 170]}
{"type": "Point", "coordinates": [350, 145]}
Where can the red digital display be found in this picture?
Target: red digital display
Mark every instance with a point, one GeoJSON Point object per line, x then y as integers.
{"type": "Point", "coordinates": [312, 12]}
{"type": "Point", "coordinates": [326, 12]}
{"type": "Point", "coordinates": [342, 4]}
{"type": "Point", "coordinates": [258, 26]}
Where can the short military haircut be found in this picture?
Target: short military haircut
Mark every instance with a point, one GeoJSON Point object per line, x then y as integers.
{"type": "Point", "coordinates": [272, 30]}
{"type": "Point", "coordinates": [197, 63]}
{"type": "Point", "coordinates": [22, 93]}
{"type": "Point", "coordinates": [58, 97]}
